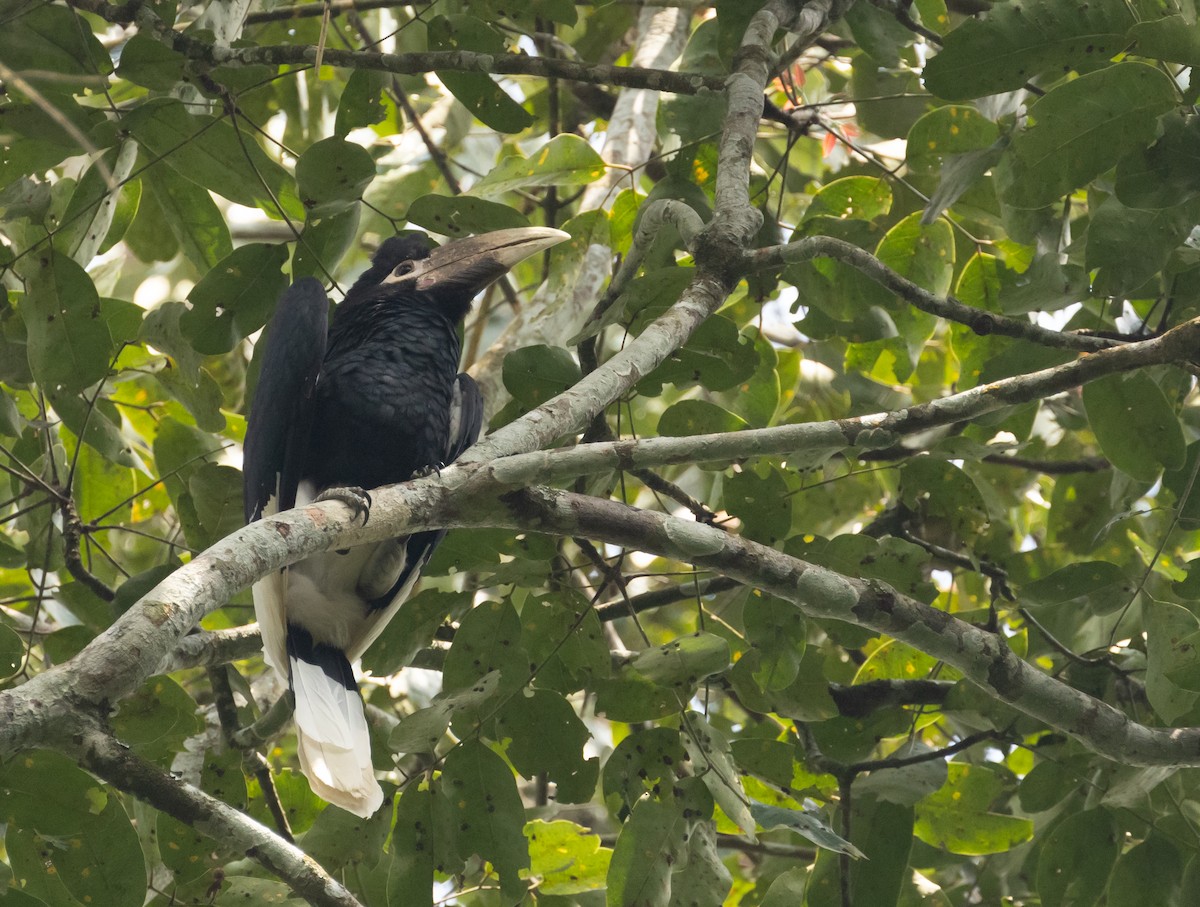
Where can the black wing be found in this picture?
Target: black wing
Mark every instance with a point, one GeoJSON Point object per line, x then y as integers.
{"type": "Point", "coordinates": [281, 414]}
{"type": "Point", "coordinates": [466, 420]}
{"type": "Point", "coordinates": [466, 417]}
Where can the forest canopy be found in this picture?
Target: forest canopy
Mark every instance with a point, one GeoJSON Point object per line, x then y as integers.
{"type": "Point", "coordinates": [833, 537]}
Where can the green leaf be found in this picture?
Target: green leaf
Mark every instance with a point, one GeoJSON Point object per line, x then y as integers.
{"type": "Point", "coordinates": [713, 762]}
{"type": "Point", "coordinates": [235, 298]}
{"type": "Point", "coordinates": [882, 831]}
{"type": "Point", "coordinates": [1171, 38]}
{"type": "Point", "coordinates": [807, 824]}
{"type": "Point", "coordinates": [957, 817]}
{"type": "Point", "coordinates": [1166, 173]}
{"type": "Point", "coordinates": [566, 160]}
{"type": "Point", "coordinates": [338, 839]}
{"type": "Point", "coordinates": [1077, 858]}
{"type": "Point", "coordinates": [1136, 427]}
{"type": "Point", "coordinates": [1103, 586]}
{"type": "Point", "coordinates": [156, 718]}
{"type": "Point", "coordinates": [238, 891]}
{"type": "Point", "coordinates": [486, 100]}
{"type": "Point", "coordinates": [99, 424]}
{"type": "Point", "coordinates": [360, 103]}
{"type": "Point", "coordinates": [46, 38]}
{"type": "Point", "coordinates": [656, 681]}
{"type": "Point", "coordinates": [331, 176]}
{"type": "Point", "coordinates": [1150, 873]}
{"type": "Point", "coordinates": [948, 132]}
{"type": "Point", "coordinates": [1129, 246]}
{"type": "Point", "coordinates": [652, 843]}
{"type": "Point", "coordinates": [701, 880]}
{"type": "Point", "coordinates": [1015, 43]}
{"type": "Point", "coordinates": [410, 875]}
{"type": "Point", "coordinates": [486, 812]}
{"type": "Point", "coordinates": [150, 63]}
{"type": "Point", "coordinates": [787, 889]}
{"type": "Point", "coordinates": [762, 502]}
{"type": "Point", "coordinates": [1082, 128]}
{"type": "Point", "coordinates": [323, 244]}
{"type": "Point", "coordinates": [213, 505]}
{"type": "Point", "coordinates": [422, 731]}
{"type": "Point", "coordinates": [852, 197]}
{"type": "Point", "coordinates": [214, 154]}
{"type": "Point", "coordinates": [12, 648]}
{"type": "Point", "coordinates": [1172, 659]}
{"type": "Point", "coordinates": [546, 736]}
{"type": "Point", "coordinates": [488, 639]}
{"type": "Point", "coordinates": [777, 631]}
{"type": "Point", "coordinates": [412, 629]}
{"type": "Point", "coordinates": [69, 342]}
{"type": "Point", "coordinates": [191, 215]}
{"type": "Point", "coordinates": [697, 417]}
{"type": "Point", "coordinates": [565, 858]}
{"type": "Point", "coordinates": [716, 356]}
{"type": "Point", "coordinates": [648, 758]}
{"type": "Point", "coordinates": [102, 863]}
{"type": "Point", "coordinates": [565, 642]}
{"type": "Point", "coordinates": [462, 215]}
{"type": "Point", "coordinates": [905, 784]}
{"type": "Point", "coordinates": [535, 374]}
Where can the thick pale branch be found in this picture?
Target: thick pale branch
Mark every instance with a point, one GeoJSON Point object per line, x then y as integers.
{"type": "Point", "coordinates": [877, 430]}
{"type": "Point", "coordinates": [983, 657]}
{"type": "Point", "coordinates": [948, 307]}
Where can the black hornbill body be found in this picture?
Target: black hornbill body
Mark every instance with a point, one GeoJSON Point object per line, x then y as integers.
{"type": "Point", "coordinates": [373, 400]}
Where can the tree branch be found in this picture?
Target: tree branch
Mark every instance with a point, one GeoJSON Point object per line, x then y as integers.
{"type": "Point", "coordinates": [514, 64]}
{"type": "Point", "coordinates": [979, 321]}
{"type": "Point", "coordinates": [101, 754]}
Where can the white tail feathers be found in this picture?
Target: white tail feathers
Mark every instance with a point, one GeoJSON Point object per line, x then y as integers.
{"type": "Point", "coordinates": [332, 741]}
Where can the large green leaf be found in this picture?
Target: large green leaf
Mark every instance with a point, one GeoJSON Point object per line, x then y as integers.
{"type": "Point", "coordinates": [52, 39]}
{"type": "Point", "coordinates": [212, 153]}
{"type": "Point", "coordinates": [1135, 425]}
{"type": "Point", "coordinates": [1077, 858]}
{"type": "Point", "coordinates": [332, 175]}
{"type": "Point", "coordinates": [565, 857]}
{"type": "Point", "coordinates": [1082, 128]}
{"type": "Point", "coordinates": [235, 298]}
{"type": "Point", "coordinates": [191, 215]}
{"type": "Point", "coordinates": [486, 811]}
{"type": "Point", "coordinates": [69, 342]}
{"type": "Point", "coordinates": [486, 100]}
{"type": "Point", "coordinates": [1128, 246]}
{"type": "Point", "coordinates": [1171, 651]}
{"type": "Point", "coordinates": [957, 817]}
{"type": "Point", "coordinates": [566, 160]}
{"type": "Point", "coordinates": [460, 215]}
{"type": "Point", "coordinates": [1017, 42]}
{"type": "Point", "coordinates": [1166, 173]}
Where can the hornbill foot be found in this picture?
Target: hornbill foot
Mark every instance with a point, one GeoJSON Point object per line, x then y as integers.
{"type": "Point", "coordinates": [426, 471]}
{"type": "Point", "coordinates": [353, 497]}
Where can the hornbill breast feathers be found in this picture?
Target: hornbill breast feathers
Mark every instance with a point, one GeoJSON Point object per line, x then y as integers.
{"type": "Point", "coordinates": [368, 400]}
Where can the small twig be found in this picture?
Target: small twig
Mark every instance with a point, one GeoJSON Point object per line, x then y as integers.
{"type": "Point", "coordinates": [1051, 467]}
{"type": "Point", "coordinates": [72, 533]}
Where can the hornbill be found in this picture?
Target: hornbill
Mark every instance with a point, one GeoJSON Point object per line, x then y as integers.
{"type": "Point", "coordinates": [374, 400]}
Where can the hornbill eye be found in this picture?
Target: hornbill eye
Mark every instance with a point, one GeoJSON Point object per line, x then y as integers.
{"type": "Point", "coordinates": [405, 267]}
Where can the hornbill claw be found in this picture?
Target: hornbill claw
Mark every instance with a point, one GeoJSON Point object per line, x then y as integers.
{"type": "Point", "coordinates": [352, 496]}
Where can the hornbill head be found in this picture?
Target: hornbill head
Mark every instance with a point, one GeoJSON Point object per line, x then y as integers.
{"type": "Point", "coordinates": [454, 273]}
